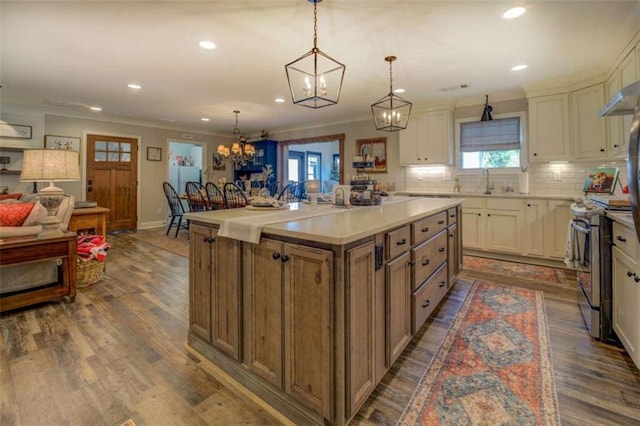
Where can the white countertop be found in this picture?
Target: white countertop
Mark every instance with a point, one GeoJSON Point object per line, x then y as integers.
{"type": "Point", "coordinates": [347, 226]}
{"type": "Point", "coordinates": [492, 195]}
{"type": "Point", "coordinates": [624, 218]}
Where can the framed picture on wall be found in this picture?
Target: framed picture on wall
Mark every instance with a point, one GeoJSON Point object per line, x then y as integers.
{"type": "Point", "coordinates": [62, 142]}
{"type": "Point", "coordinates": [154, 153]}
{"type": "Point", "coordinates": [377, 149]}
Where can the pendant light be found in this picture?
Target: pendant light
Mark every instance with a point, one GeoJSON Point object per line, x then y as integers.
{"type": "Point", "coordinates": [391, 113]}
{"type": "Point", "coordinates": [486, 113]}
{"type": "Point", "coordinates": [315, 79]}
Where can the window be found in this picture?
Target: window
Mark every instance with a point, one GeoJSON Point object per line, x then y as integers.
{"type": "Point", "coordinates": [491, 144]}
{"type": "Point", "coordinates": [314, 161]}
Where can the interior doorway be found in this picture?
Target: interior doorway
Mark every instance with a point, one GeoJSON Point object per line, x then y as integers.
{"type": "Point", "coordinates": [186, 161]}
{"type": "Point", "coordinates": [111, 178]}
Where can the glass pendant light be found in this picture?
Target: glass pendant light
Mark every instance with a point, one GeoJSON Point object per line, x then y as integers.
{"type": "Point", "coordinates": [391, 113]}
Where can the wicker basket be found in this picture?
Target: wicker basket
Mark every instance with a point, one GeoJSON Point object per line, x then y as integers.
{"type": "Point", "coordinates": [89, 272]}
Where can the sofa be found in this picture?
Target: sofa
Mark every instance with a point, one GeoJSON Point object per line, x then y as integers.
{"type": "Point", "coordinates": [20, 214]}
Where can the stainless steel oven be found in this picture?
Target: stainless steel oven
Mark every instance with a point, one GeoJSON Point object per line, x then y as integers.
{"type": "Point", "coordinates": [591, 239]}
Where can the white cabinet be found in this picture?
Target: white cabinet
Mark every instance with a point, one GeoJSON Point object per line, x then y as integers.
{"type": "Point", "coordinates": [616, 133]}
{"type": "Point", "coordinates": [492, 224]}
{"type": "Point", "coordinates": [520, 226]}
{"type": "Point", "coordinates": [588, 128]}
{"type": "Point", "coordinates": [626, 289]}
{"type": "Point", "coordinates": [549, 132]}
{"type": "Point", "coordinates": [535, 211]}
{"type": "Point", "coordinates": [428, 139]}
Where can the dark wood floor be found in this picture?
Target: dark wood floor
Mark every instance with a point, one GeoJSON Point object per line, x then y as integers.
{"type": "Point", "coordinates": [118, 352]}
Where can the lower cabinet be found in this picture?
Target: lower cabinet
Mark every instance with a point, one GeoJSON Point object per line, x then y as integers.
{"type": "Point", "coordinates": [214, 293]}
{"type": "Point", "coordinates": [287, 317]}
{"type": "Point", "coordinates": [398, 310]}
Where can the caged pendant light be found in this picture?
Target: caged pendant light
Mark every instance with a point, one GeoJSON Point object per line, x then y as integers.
{"type": "Point", "coordinates": [391, 113]}
{"type": "Point", "coordinates": [315, 79]}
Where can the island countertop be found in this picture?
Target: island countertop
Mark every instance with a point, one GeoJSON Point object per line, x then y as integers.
{"type": "Point", "coordinates": [337, 226]}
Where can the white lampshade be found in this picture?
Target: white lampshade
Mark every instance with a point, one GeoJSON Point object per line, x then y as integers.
{"type": "Point", "coordinates": [48, 165]}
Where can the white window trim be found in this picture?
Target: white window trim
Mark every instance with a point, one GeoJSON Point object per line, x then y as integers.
{"type": "Point", "coordinates": [505, 170]}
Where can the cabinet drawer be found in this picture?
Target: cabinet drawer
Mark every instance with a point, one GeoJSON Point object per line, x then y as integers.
{"type": "Point", "coordinates": [625, 239]}
{"type": "Point", "coordinates": [423, 229]}
{"type": "Point", "coordinates": [426, 298]}
{"type": "Point", "coordinates": [397, 241]}
{"type": "Point", "coordinates": [504, 204]}
{"type": "Point", "coordinates": [85, 224]}
{"type": "Point", "coordinates": [452, 216]}
{"type": "Point", "coordinates": [427, 257]}
{"type": "Point", "coordinates": [473, 203]}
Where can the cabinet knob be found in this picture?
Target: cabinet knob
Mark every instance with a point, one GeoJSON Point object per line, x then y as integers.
{"type": "Point", "coordinates": [636, 279]}
{"type": "Point", "coordinates": [619, 238]}
{"type": "Point", "coordinates": [411, 263]}
{"type": "Point", "coordinates": [275, 255]}
{"type": "Point", "coordinates": [489, 214]}
{"type": "Point", "coordinates": [479, 214]}
{"type": "Point", "coordinates": [528, 205]}
{"type": "Point", "coordinates": [615, 145]}
{"type": "Point", "coordinates": [440, 222]}
{"type": "Point", "coordinates": [426, 303]}
{"type": "Point", "coordinates": [631, 274]}
{"type": "Point", "coordinates": [535, 154]}
{"type": "Point", "coordinates": [425, 262]}
{"type": "Point", "coordinates": [208, 239]}
{"type": "Point", "coordinates": [601, 149]}
{"type": "Point", "coordinates": [284, 258]}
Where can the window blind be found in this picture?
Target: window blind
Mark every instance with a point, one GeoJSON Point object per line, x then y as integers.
{"type": "Point", "coordinates": [494, 135]}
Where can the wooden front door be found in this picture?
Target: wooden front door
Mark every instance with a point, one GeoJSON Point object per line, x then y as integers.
{"type": "Point", "coordinates": [112, 178]}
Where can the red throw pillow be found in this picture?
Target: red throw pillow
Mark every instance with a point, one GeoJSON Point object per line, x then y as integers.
{"type": "Point", "coordinates": [14, 214]}
{"type": "Point", "coordinates": [16, 196]}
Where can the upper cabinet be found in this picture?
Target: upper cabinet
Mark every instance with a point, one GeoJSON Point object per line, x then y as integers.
{"type": "Point", "coordinates": [615, 124]}
{"type": "Point", "coordinates": [589, 132]}
{"type": "Point", "coordinates": [549, 128]}
{"type": "Point", "coordinates": [428, 139]}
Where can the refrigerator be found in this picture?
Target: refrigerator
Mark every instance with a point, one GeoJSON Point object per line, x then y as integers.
{"type": "Point", "coordinates": [627, 102]}
{"type": "Point", "coordinates": [180, 175]}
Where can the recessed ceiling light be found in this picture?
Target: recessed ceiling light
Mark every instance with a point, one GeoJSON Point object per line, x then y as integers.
{"type": "Point", "coordinates": [514, 12]}
{"type": "Point", "coordinates": [95, 108]}
{"type": "Point", "coordinates": [279, 100]}
{"type": "Point", "coordinates": [204, 119]}
{"type": "Point", "coordinates": [398, 90]}
{"type": "Point", "coordinates": [519, 67]}
{"type": "Point", "coordinates": [206, 44]}
{"type": "Point", "coordinates": [134, 86]}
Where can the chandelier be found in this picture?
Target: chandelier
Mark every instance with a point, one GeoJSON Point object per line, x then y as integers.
{"type": "Point", "coordinates": [391, 113]}
{"type": "Point", "coordinates": [315, 79]}
{"type": "Point", "coordinates": [241, 152]}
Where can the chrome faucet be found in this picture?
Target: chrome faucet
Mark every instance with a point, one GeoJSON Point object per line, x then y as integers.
{"type": "Point", "coordinates": [485, 171]}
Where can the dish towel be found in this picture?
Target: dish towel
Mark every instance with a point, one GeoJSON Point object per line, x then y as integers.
{"type": "Point", "coordinates": [576, 248]}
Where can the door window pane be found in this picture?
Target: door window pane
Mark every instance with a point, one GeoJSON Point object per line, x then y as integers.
{"type": "Point", "coordinates": [100, 156]}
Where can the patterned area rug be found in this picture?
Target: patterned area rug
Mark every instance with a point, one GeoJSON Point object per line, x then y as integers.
{"type": "Point", "coordinates": [493, 366]}
{"type": "Point", "coordinates": [516, 270]}
{"type": "Point", "coordinates": [178, 245]}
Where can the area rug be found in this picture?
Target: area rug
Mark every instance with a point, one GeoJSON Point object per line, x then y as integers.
{"type": "Point", "coordinates": [493, 366]}
{"type": "Point", "coordinates": [178, 245]}
{"type": "Point", "coordinates": [517, 270]}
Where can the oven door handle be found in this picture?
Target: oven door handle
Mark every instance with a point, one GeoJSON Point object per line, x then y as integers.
{"type": "Point", "coordinates": [586, 229]}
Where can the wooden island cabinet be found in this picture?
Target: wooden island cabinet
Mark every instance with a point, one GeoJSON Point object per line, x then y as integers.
{"type": "Point", "coordinates": [312, 316]}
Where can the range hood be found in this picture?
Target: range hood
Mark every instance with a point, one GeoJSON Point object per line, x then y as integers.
{"type": "Point", "coordinates": [623, 102]}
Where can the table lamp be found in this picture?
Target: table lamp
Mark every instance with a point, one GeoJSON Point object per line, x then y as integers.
{"type": "Point", "coordinates": [49, 165]}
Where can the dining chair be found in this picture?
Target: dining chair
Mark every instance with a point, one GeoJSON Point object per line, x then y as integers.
{"type": "Point", "coordinates": [175, 207]}
{"type": "Point", "coordinates": [215, 195]}
{"type": "Point", "coordinates": [197, 200]}
{"type": "Point", "coordinates": [274, 188]}
{"type": "Point", "coordinates": [290, 193]}
{"type": "Point", "coordinates": [234, 197]}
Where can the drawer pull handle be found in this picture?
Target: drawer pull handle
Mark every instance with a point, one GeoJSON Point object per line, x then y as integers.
{"type": "Point", "coordinates": [441, 249]}
{"type": "Point", "coordinates": [442, 284]}
{"type": "Point", "coordinates": [410, 263]}
{"type": "Point", "coordinates": [426, 303]}
{"type": "Point", "coordinates": [402, 242]}
{"type": "Point", "coordinates": [619, 238]}
{"type": "Point", "coordinates": [425, 229]}
{"type": "Point", "coordinates": [440, 222]}
{"type": "Point", "coordinates": [452, 215]}
{"type": "Point", "coordinates": [425, 262]}
{"type": "Point", "coordinates": [276, 256]}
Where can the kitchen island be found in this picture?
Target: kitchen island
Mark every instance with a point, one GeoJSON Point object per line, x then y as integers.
{"type": "Point", "coordinates": [310, 317]}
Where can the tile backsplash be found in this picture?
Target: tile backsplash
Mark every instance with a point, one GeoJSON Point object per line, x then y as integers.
{"type": "Point", "coordinates": [543, 178]}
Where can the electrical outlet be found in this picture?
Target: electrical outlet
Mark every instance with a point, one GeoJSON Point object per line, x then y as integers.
{"type": "Point", "coordinates": [446, 175]}
{"type": "Point", "coordinates": [420, 177]}
{"type": "Point", "coordinates": [557, 175]}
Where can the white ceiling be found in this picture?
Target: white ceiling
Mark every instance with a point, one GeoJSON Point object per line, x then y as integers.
{"type": "Point", "coordinates": [83, 53]}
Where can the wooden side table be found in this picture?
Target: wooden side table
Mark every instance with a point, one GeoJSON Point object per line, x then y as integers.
{"type": "Point", "coordinates": [27, 251]}
{"type": "Point", "coordinates": [90, 220]}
